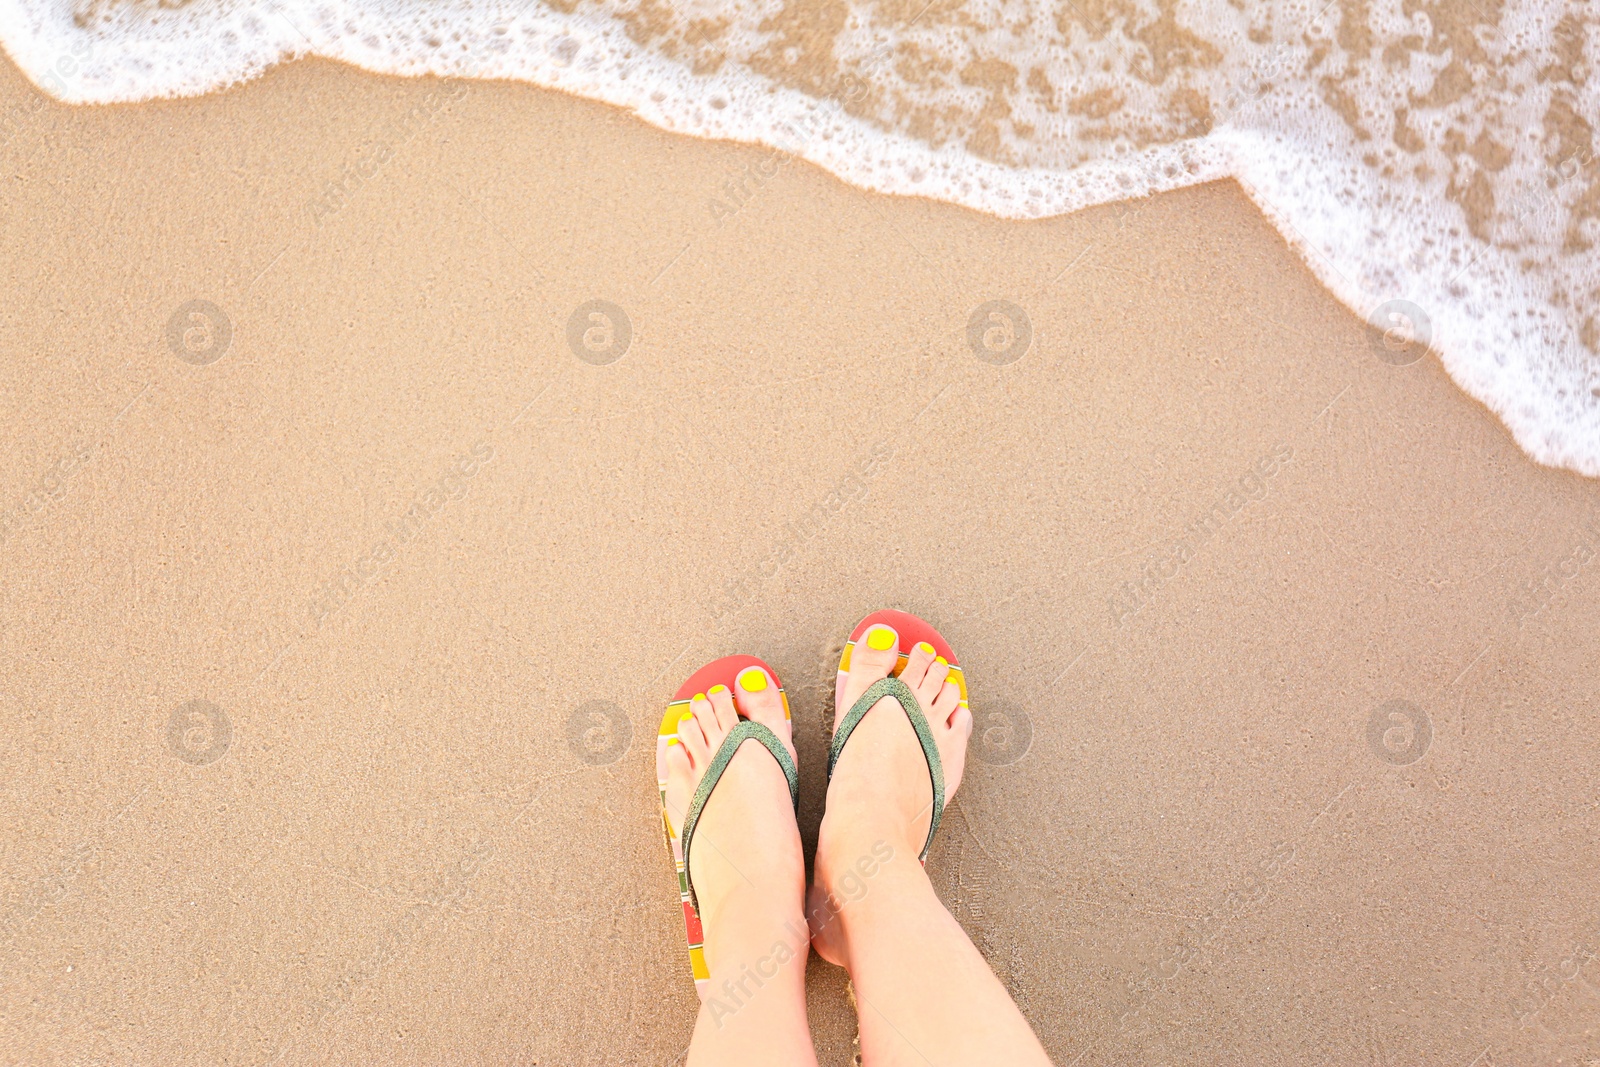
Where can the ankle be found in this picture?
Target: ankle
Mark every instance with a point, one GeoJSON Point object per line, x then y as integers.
{"type": "Point", "coordinates": [759, 975]}
{"type": "Point", "coordinates": [746, 921]}
{"type": "Point", "coordinates": [864, 895]}
{"type": "Point", "coordinates": [853, 858]}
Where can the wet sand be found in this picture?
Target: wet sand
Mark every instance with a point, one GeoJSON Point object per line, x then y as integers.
{"type": "Point", "coordinates": [344, 579]}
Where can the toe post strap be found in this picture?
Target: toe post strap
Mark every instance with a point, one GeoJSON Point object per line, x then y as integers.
{"type": "Point", "coordinates": [746, 730]}
{"type": "Point", "coordinates": [902, 694]}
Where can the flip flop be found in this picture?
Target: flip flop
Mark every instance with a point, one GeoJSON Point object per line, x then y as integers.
{"type": "Point", "coordinates": [912, 631]}
{"type": "Point", "coordinates": [724, 671]}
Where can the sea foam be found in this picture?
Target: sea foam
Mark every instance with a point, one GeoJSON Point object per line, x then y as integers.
{"type": "Point", "coordinates": [1433, 164]}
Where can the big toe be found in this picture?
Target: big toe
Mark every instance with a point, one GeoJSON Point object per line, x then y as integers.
{"type": "Point", "coordinates": [759, 699]}
{"type": "Point", "coordinates": [873, 657]}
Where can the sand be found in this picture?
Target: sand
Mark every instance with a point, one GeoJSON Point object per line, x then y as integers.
{"type": "Point", "coordinates": [338, 611]}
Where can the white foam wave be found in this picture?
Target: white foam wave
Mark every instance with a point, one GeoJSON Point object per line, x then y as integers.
{"type": "Point", "coordinates": [1434, 168]}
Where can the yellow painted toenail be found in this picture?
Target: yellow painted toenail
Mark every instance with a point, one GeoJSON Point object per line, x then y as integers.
{"type": "Point", "coordinates": [925, 647]}
{"type": "Point", "coordinates": [941, 661]}
{"type": "Point", "coordinates": [751, 680]}
{"type": "Point", "coordinates": [699, 696]}
{"type": "Point", "coordinates": [686, 716]}
{"type": "Point", "coordinates": [719, 689]}
{"type": "Point", "coordinates": [880, 638]}
{"type": "Point", "coordinates": [672, 740]}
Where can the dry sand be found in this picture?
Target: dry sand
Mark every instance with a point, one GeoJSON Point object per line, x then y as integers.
{"type": "Point", "coordinates": [397, 535]}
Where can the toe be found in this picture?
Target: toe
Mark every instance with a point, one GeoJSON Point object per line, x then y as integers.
{"type": "Point", "coordinates": [721, 699]}
{"type": "Point", "coordinates": [961, 724]}
{"type": "Point", "coordinates": [948, 700]}
{"type": "Point", "coordinates": [952, 736]}
{"type": "Point", "coordinates": [873, 656]}
{"type": "Point", "coordinates": [692, 736]}
{"type": "Point", "coordinates": [918, 660]}
{"type": "Point", "coordinates": [705, 713]}
{"type": "Point", "coordinates": [933, 679]}
{"type": "Point", "coordinates": [759, 699]}
{"type": "Point", "coordinates": [679, 770]}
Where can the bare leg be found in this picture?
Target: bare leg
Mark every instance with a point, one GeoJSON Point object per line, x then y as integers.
{"type": "Point", "coordinates": [925, 993]}
{"type": "Point", "coordinates": [749, 875]}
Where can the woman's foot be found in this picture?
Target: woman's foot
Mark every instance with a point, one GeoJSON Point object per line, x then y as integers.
{"type": "Point", "coordinates": [880, 798]}
{"type": "Point", "coordinates": [747, 867]}
{"type": "Point", "coordinates": [921, 988]}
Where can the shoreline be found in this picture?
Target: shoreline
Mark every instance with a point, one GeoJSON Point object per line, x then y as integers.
{"type": "Point", "coordinates": [1480, 279]}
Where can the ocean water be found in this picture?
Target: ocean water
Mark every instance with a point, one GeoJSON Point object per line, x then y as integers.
{"type": "Point", "coordinates": [1432, 162]}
